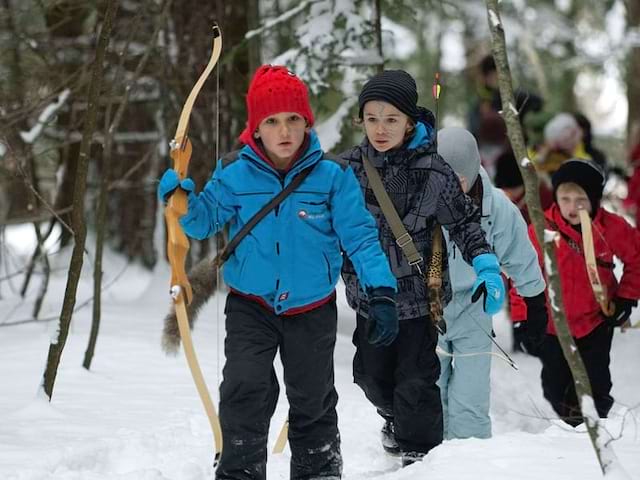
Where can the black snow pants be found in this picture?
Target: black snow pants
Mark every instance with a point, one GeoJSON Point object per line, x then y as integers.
{"type": "Point", "coordinates": [557, 381]}
{"type": "Point", "coordinates": [400, 381]}
{"type": "Point", "coordinates": [249, 390]}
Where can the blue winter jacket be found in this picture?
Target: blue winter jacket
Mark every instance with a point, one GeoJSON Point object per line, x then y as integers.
{"type": "Point", "coordinates": [292, 258]}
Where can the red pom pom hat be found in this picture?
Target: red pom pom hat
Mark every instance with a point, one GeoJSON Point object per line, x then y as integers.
{"type": "Point", "coordinates": [274, 89]}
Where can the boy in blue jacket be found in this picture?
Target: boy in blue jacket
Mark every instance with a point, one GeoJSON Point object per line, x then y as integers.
{"type": "Point", "coordinates": [282, 278]}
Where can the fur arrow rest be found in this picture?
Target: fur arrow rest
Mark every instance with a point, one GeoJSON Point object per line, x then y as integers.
{"type": "Point", "coordinates": [203, 279]}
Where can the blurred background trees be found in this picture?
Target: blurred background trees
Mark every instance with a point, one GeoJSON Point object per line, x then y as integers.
{"type": "Point", "coordinates": [577, 55]}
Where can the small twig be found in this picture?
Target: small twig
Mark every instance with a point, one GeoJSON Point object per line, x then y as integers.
{"type": "Point", "coordinates": [46, 205]}
{"type": "Point", "coordinates": [76, 308]}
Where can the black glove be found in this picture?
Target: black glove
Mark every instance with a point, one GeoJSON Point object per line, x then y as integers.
{"type": "Point", "coordinates": [530, 334]}
{"type": "Point", "coordinates": [382, 324]}
{"type": "Point", "coordinates": [622, 312]}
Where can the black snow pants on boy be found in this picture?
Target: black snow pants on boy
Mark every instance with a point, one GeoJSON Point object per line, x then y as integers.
{"type": "Point", "coordinates": [557, 382]}
{"type": "Point", "coordinates": [400, 381]}
{"type": "Point", "coordinates": [249, 390]}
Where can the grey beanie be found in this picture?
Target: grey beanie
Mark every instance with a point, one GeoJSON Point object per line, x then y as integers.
{"type": "Point", "coordinates": [459, 149]}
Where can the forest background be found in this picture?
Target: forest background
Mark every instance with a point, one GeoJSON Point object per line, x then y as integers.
{"type": "Point", "coordinates": [579, 55]}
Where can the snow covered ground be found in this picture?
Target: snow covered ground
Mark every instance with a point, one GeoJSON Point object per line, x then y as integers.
{"type": "Point", "coordinates": [136, 415]}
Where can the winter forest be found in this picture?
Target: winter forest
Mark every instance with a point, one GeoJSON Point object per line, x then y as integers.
{"type": "Point", "coordinates": [97, 100]}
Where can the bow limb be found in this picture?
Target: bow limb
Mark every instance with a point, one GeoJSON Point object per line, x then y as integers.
{"type": "Point", "coordinates": [599, 290]}
{"type": "Point", "coordinates": [178, 245]}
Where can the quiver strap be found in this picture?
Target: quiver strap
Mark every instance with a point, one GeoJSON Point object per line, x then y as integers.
{"type": "Point", "coordinates": [263, 212]}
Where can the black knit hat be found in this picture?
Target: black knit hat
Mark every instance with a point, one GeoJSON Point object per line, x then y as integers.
{"type": "Point", "coordinates": [585, 173]}
{"type": "Point", "coordinates": [396, 87]}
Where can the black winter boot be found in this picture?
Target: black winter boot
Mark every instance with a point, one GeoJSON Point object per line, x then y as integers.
{"type": "Point", "coordinates": [388, 436]}
{"type": "Point", "coordinates": [409, 458]}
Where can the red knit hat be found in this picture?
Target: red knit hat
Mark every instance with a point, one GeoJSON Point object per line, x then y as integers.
{"type": "Point", "coordinates": [274, 89]}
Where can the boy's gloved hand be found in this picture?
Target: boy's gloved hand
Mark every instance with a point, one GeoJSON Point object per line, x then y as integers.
{"type": "Point", "coordinates": [169, 182]}
{"type": "Point", "coordinates": [489, 283]}
{"type": "Point", "coordinates": [382, 325]}
{"type": "Point", "coordinates": [530, 334]}
{"type": "Point", "coordinates": [623, 307]}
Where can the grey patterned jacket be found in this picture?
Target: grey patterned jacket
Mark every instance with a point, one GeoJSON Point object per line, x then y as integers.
{"type": "Point", "coordinates": [424, 190]}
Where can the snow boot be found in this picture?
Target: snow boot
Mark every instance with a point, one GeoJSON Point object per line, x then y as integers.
{"type": "Point", "coordinates": [388, 436]}
{"type": "Point", "coordinates": [409, 458]}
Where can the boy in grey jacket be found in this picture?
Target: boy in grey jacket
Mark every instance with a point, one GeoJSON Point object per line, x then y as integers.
{"type": "Point", "coordinates": [464, 378]}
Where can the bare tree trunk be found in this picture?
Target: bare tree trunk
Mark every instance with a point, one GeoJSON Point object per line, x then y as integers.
{"type": "Point", "coordinates": [253, 22]}
{"type": "Point", "coordinates": [633, 68]}
{"type": "Point", "coordinates": [107, 160]}
{"type": "Point", "coordinates": [597, 433]}
{"type": "Point", "coordinates": [79, 227]}
{"type": "Point", "coordinates": [378, 29]}
{"type": "Point", "coordinates": [46, 273]}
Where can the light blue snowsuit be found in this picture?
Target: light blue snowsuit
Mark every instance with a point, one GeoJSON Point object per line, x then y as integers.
{"type": "Point", "coordinates": [464, 381]}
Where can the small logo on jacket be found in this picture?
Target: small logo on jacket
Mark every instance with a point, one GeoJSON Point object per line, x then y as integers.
{"type": "Point", "coordinates": [283, 296]}
{"type": "Point", "coordinates": [304, 215]}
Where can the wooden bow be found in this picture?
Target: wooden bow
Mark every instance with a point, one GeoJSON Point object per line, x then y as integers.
{"type": "Point", "coordinates": [178, 245]}
{"type": "Point", "coordinates": [599, 290]}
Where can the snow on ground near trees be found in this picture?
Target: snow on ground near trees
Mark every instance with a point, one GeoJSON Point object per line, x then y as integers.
{"type": "Point", "coordinates": [136, 414]}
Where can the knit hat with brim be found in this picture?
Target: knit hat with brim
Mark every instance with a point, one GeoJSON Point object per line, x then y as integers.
{"type": "Point", "coordinates": [396, 87]}
{"type": "Point", "coordinates": [584, 173]}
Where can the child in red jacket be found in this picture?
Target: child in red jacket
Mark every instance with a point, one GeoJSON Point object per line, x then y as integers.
{"type": "Point", "coordinates": [578, 184]}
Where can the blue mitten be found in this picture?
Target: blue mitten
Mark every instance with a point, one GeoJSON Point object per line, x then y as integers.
{"type": "Point", "coordinates": [489, 283]}
{"type": "Point", "coordinates": [170, 181]}
{"type": "Point", "coordinates": [382, 325]}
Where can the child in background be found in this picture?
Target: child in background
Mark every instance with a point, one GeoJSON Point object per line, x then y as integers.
{"type": "Point", "coordinates": [465, 385]}
{"type": "Point", "coordinates": [578, 184]}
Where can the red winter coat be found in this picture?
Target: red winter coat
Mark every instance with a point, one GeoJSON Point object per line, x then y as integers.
{"type": "Point", "coordinates": [612, 236]}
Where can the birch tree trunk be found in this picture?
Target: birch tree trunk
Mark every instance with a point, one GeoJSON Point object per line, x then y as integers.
{"type": "Point", "coordinates": [600, 438]}
{"type": "Point", "coordinates": [633, 67]}
{"type": "Point", "coordinates": [78, 221]}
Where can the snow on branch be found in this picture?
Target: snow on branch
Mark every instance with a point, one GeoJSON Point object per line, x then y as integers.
{"type": "Point", "coordinates": [329, 131]}
{"type": "Point", "coordinates": [274, 22]}
{"type": "Point", "coordinates": [495, 20]}
{"type": "Point", "coordinates": [333, 35]}
{"type": "Point", "coordinates": [45, 117]}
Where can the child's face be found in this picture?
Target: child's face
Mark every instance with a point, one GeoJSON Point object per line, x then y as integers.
{"type": "Point", "coordinates": [282, 135]}
{"type": "Point", "coordinates": [571, 198]}
{"type": "Point", "coordinates": [385, 125]}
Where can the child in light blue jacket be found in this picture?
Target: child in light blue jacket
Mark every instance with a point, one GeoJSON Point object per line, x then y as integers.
{"type": "Point", "coordinates": [465, 367]}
